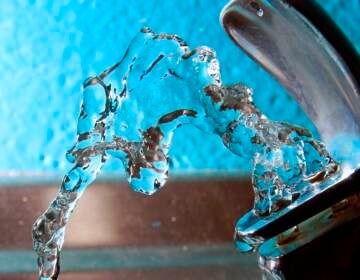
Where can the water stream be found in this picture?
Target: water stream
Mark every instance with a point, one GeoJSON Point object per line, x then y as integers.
{"type": "Point", "coordinates": [131, 111]}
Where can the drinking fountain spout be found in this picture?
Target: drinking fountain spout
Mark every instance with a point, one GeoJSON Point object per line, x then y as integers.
{"type": "Point", "coordinates": [288, 46]}
{"type": "Point", "coordinates": [323, 76]}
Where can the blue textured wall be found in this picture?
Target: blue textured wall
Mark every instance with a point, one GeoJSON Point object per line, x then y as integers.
{"type": "Point", "coordinates": [49, 47]}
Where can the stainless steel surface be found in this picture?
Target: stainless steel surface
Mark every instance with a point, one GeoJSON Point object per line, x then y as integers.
{"type": "Point", "coordinates": [292, 50]}
{"type": "Point", "coordinates": [257, 229]}
{"type": "Point", "coordinates": [318, 225]}
{"type": "Point", "coordinates": [331, 255]}
{"type": "Point", "coordinates": [287, 45]}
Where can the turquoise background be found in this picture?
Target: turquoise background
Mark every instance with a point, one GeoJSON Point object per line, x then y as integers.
{"type": "Point", "coordinates": [49, 47]}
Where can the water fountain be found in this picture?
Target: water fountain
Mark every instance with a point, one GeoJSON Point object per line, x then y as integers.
{"type": "Point", "coordinates": [167, 84]}
{"type": "Point", "coordinates": [320, 70]}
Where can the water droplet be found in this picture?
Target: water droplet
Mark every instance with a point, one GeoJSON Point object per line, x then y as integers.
{"type": "Point", "coordinates": [256, 6]}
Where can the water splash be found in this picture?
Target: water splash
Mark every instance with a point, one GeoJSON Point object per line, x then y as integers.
{"type": "Point", "coordinates": [131, 110]}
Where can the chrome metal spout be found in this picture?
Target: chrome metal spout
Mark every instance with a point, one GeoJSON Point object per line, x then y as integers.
{"type": "Point", "coordinates": [284, 42]}
{"type": "Point", "coordinates": [290, 48]}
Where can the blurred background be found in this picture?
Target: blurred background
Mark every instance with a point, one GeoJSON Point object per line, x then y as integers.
{"type": "Point", "coordinates": [47, 48]}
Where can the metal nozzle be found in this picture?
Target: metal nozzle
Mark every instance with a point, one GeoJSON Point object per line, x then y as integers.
{"type": "Point", "coordinates": [284, 42]}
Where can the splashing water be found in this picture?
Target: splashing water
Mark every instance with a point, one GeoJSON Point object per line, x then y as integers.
{"type": "Point", "coordinates": [131, 110]}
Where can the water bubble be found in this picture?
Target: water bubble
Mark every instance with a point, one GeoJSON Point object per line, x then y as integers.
{"type": "Point", "coordinates": [256, 6]}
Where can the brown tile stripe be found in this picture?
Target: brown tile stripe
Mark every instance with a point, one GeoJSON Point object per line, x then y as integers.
{"type": "Point", "coordinates": [110, 214]}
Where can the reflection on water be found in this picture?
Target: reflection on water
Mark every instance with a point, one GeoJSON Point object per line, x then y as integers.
{"type": "Point", "coordinates": [162, 84]}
